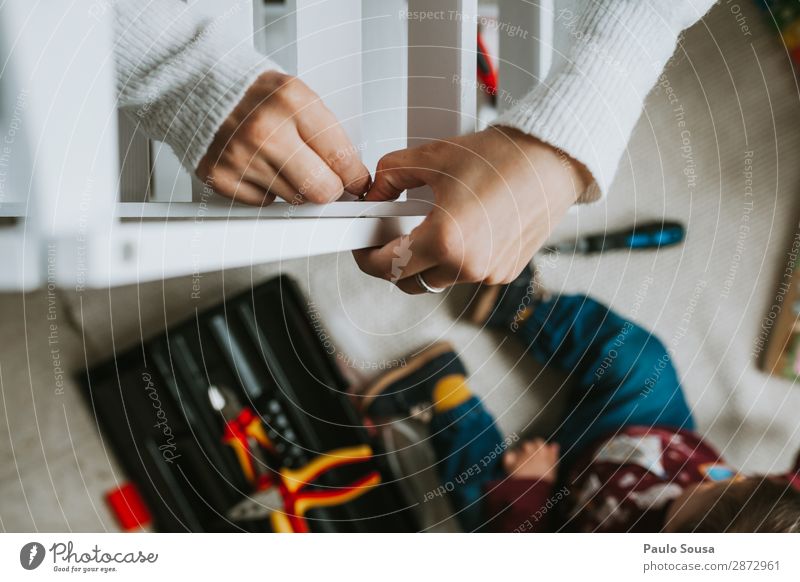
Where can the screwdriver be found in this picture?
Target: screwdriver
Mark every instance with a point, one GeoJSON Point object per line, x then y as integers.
{"type": "Point", "coordinates": [650, 235]}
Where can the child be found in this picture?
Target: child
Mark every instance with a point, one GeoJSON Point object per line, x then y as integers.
{"type": "Point", "coordinates": [624, 456]}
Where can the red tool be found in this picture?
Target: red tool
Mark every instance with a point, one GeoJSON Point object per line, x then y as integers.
{"type": "Point", "coordinates": [487, 74]}
{"type": "Point", "coordinates": [244, 433]}
{"type": "Point", "coordinates": [128, 507]}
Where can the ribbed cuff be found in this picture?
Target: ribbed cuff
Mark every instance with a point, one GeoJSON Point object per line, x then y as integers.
{"type": "Point", "coordinates": [180, 76]}
{"type": "Point", "coordinates": [223, 75]}
{"type": "Point", "coordinates": [588, 107]}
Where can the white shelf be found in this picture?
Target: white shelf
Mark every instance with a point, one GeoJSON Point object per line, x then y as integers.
{"type": "Point", "coordinates": [84, 223]}
{"type": "Point", "coordinates": [221, 208]}
{"type": "Point", "coordinates": [13, 209]}
{"type": "Point", "coordinates": [146, 251]}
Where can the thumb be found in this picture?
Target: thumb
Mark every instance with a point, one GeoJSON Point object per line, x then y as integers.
{"type": "Point", "coordinates": [397, 172]}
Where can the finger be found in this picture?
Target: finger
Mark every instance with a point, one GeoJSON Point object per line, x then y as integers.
{"type": "Point", "coordinates": [400, 258]}
{"type": "Point", "coordinates": [268, 179]}
{"type": "Point", "coordinates": [440, 277]}
{"type": "Point", "coordinates": [249, 193]}
{"type": "Point", "coordinates": [397, 172]}
{"type": "Point", "coordinates": [241, 191]}
{"type": "Point", "coordinates": [309, 175]}
{"type": "Point", "coordinates": [332, 145]}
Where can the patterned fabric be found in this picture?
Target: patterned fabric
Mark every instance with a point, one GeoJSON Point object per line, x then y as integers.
{"type": "Point", "coordinates": [627, 482]}
{"type": "Point", "coordinates": [624, 484]}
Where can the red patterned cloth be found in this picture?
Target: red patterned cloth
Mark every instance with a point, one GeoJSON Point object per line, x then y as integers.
{"type": "Point", "coordinates": [624, 483]}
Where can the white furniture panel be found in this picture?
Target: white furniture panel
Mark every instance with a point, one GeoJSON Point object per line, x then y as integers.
{"type": "Point", "coordinates": [329, 56]}
{"type": "Point", "coordinates": [442, 57]}
{"type": "Point", "coordinates": [66, 147]}
{"type": "Point", "coordinates": [69, 217]}
{"type": "Point", "coordinates": [385, 79]}
{"type": "Point", "coordinates": [528, 55]}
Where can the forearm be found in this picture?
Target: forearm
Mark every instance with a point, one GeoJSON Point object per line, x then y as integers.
{"type": "Point", "coordinates": [180, 76]}
{"type": "Point", "coordinates": [588, 107]}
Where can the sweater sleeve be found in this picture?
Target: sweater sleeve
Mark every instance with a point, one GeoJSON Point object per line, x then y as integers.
{"type": "Point", "coordinates": [517, 505]}
{"type": "Point", "coordinates": [179, 76]}
{"type": "Point", "coordinates": [589, 106]}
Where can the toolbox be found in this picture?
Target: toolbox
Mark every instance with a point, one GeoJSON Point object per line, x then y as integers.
{"type": "Point", "coordinates": [238, 420]}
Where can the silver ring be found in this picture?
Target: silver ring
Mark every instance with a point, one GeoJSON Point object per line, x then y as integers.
{"type": "Point", "coordinates": [429, 288]}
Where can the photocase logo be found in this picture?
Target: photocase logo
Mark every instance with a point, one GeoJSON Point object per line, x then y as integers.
{"type": "Point", "coordinates": [31, 555]}
{"type": "Point", "coordinates": [402, 256]}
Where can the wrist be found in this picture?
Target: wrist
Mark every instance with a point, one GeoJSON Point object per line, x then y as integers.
{"type": "Point", "coordinates": [273, 79]}
{"type": "Point", "coordinates": [574, 175]}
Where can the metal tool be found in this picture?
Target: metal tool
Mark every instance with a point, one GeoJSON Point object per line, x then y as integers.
{"type": "Point", "coordinates": [650, 235]}
{"type": "Point", "coordinates": [244, 433]}
{"type": "Point", "coordinates": [257, 506]}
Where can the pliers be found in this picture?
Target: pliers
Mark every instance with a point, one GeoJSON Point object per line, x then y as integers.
{"type": "Point", "coordinates": [244, 433]}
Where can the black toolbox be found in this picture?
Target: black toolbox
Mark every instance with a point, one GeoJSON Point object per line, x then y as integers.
{"type": "Point", "coordinates": [153, 407]}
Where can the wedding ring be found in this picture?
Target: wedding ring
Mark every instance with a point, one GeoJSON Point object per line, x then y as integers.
{"type": "Point", "coordinates": [429, 288]}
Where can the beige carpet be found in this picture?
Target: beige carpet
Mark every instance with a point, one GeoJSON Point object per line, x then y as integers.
{"type": "Point", "coordinates": [706, 300]}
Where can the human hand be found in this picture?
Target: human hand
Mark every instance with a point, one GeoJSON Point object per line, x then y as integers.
{"type": "Point", "coordinates": [282, 141]}
{"type": "Point", "coordinates": [535, 459]}
{"type": "Point", "coordinates": [498, 195]}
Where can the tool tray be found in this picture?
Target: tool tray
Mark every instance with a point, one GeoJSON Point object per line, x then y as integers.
{"type": "Point", "coordinates": [152, 406]}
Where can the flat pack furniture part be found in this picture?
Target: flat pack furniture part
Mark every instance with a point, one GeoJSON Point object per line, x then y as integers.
{"type": "Point", "coordinates": [87, 201]}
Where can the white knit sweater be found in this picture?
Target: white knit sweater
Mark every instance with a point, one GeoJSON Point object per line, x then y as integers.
{"type": "Point", "coordinates": [180, 77]}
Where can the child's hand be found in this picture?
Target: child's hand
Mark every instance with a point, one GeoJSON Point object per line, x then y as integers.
{"type": "Point", "coordinates": [533, 460]}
